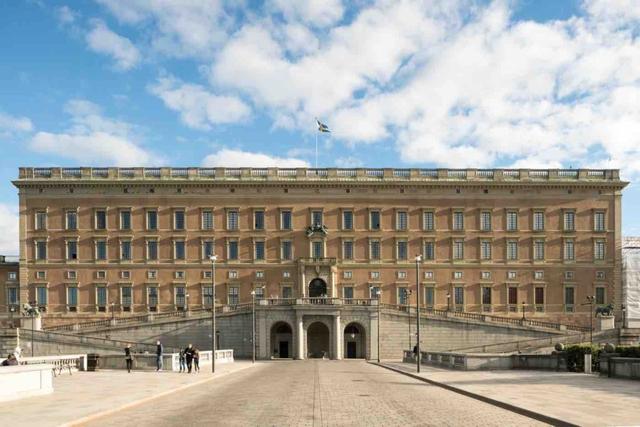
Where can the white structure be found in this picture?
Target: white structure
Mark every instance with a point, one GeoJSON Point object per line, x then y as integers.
{"type": "Point", "coordinates": [631, 281]}
{"type": "Point", "coordinates": [18, 382]}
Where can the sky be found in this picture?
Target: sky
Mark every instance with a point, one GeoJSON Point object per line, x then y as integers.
{"type": "Point", "coordinates": [400, 83]}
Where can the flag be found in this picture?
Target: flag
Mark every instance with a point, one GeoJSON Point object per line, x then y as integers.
{"type": "Point", "coordinates": [322, 127]}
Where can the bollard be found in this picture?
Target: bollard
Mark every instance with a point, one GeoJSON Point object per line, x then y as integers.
{"type": "Point", "coordinates": [587, 363]}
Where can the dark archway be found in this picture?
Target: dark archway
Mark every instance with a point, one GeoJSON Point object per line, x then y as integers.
{"type": "Point", "coordinates": [317, 288]}
{"type": "Point", "coordinates": [354, 341]}
{"type": "Point", "coordinates": [318, 341]}
{"type": "Point", "coordinates": [281, 341]}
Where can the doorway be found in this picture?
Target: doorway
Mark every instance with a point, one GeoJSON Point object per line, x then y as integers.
{"type": "Point", "coordinates": [281, 341]}
{"type": "Point", "coordinates": [351, 350]}
{"type": "Point", "coordinates": [318, 341]}
{"type": "Point", "coordinates": [283, 346]}
{"type": "Point", "coordinates": [317, 288]}
{"type": "Point", "coordinates": [354, 341]}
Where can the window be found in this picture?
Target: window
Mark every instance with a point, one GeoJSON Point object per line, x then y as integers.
{"type": "Point", "coordinates": [72, 220]}
{"type": "Point", "coordinates": [41, 220]}
{"type": "Point", "coordinates": [428, 221]}
{"type": "Point", "coordinates": [179, 250]}
{"type": "Point", "coordinates": [72, 249]}
{"type": "Point", "coordinates": [126, 298]}
{"type": "Point", "coordinates": [12, 275]}
{"type": "Point", "coordinates": [538, 250]}
{"type": "Point", "coordinates": [401, 221]}
{"type": "Point", "coordinates": [539, 298]}
{"type": "Point", "coordinates": [72, 274]}
{"type": "Point", "coordinates": [207, 219]}
{"type": "Point", "coordinates": [72, 297]}
{"type": "Point", "coordinates": [233, 274]}
{"type": "Point", "coordinates": [403, 296]}
{"type": "Point", "coordinates": [41, 296]}
{"type": "Point", "coordinates": [178, 220]}
{"type": "Point", "coordinates": [600, 275]}
{"type": "Point", "coordinates": [512, 220]}
{"type": "Point", "coordinates": [569, 250]}
{"type": "Point", "coordinates": [259, 250]}
{"type": "Point", "coordinates": [569, 275]}
{"type": "Point", "coordinates": [125, 220]}
{"type": "Point", "coordinates": [260, 274]}
{"type": "Point", "coordinates": [599, 249]}
{"type": "Point", "coordinates": [287, 292]}
{"type": "Point", "coordinates": [152, 220]}
{"type": "Point", "coordinates": [512, 296]}
{"type": "Point", "coordinates": [429, 296]}
{"type": "Point", "coordinates": [259, 291]}
{"type": "Point", "coordinates": [152, 274]}
{"type": "Point", "coordinates": [458, 220]}
{"type": "Point", "coordinates": [485, 275]}
{"type": "Point", "coordinates": [374, 250]}
{"type": "Point", "coordinates": [316, 218]}
{"type": "Point", "coordinates": [347, 250]}
{"type": "Point", "coordinates": [429, 251]}
{"type": "Point", "coordinates": [512, 250]}
{"type": "Point", "coordinates": [569, 299]}
{"type": "Point", "coordinates": [347, 275]}
{"type": "Point", "coordinates": [285, 220]}
{"type": "Point", "coordinates": [458, 295]}
{"type": "Point", "coordinates": [234, 295]}
{"type": "Point", "coordinates": [13, 296]}
{"type": "Point", "coordinates": [180, 297]}
{"type": "Point", "coordinates": [538, 275]}
{"type": "Point", "coordinates": [401, 275]}
{"type": "Point", "coordinates": [206, 274]}
{"type": "Point", "coordinates": [569, 221]}
{"type": "Point", "coordinates": [41, 275]}
{"type": "Point", "coordinates": [125, 250]}
{"type": "Point", "coordinates": [207, 249]}
{"type": "Point", "coordinates": [538, 221]}
{"type": "Point", "coordinates": [457, 275]}
{"type": "Point", "coordinates": [180, 275]}
{"type": "Point", "coordinates": [232, 250]}
{"type": "Point", "coordinates": [317, 249]}
{"type": "Point", "coordinates": [485, 250]}
{"type": "Point", "coordinates": [375, 275]}
{"type": "Point", "coordinates": [152, 298]}
{"type": "Point", "coordinates": [401, 250]}
{"type": "Point", "coordinates": [458, 249]}
{"type": "Point", "coordinates": [347, 220]}
{"type": "Point", "coordinates": [152, 250]}
{"type": "Point", "coordinates": [374, 292]}
{"type": "Point", "coordinates": [600, 295]}
{"type": "Point", "coordinates": [101, 296]}
{"type": "Point", "coordinates": [512, 275]}
{"type": "Point", "coordinates": [101, 250]}
{"type": "Point", "coordinates": [258, 220]}
{"type": "Point", "coordinates": [207, 295]}
{"type": "Point", "coordinates": [286, 274]}
{"type": "Point", "coordinates": [598, 221]}
{"type": "Point", "coordinates": [374, 220]}
{"type": "Point", "coordinates": [125, 274]}
{"type": "Point", "coordinates": [485, 221]}
{"type": "Point", "coordinates": [41, 250]}
{"type": "Point", "coordinates": [486, 296]}
{"type": "Point", "coordinates": [286, 253]}
{"type": "Point", "coordinates": [101, 219]}
{"type": "Point", "coordinates": [232, 220]}
{"type": "Point", "coordinates": [347, 292]}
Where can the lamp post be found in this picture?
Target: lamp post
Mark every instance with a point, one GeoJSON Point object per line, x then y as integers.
{"type": "Point", "coordinates": [213, 259]}
{"type": "Point", "coordinates": [409, 293]}
{"type": "Point", "coordinates": [590, 301]}
{"type": "Point", "coordinates": [624, 317]}
{"type": "Point", "coordinates": [113, 313]}
{"type": "Point", "coordinates": [418, 260]}
{"type": "Point", "coordinates": [523, 308]}
{"type": "Point", "coordinates": [448, 300]}
{"type": "Point", "coordinates": [253, 326]}
{"type": "Point", "coordinates": [379, 295]}
{"type": "Point", "coordinates": [186, 304]}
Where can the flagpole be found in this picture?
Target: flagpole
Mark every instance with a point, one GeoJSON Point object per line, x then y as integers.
{"type": "Point", "coordinates": [317, 149]}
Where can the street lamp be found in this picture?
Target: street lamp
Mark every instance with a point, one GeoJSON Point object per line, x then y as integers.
{"type": "Point", "coordinates": [418, 260]}
{"type": "Point", "coordinates": [409, 293]}
{"type": "Point", "coordinates": [448, 301]}
{"type": "Point", "coordinates": [253, 326]}
{"type": "Point", "coordinates": [590, 301]}
{"type": "Point", "coordinates": [113, 313]}
{"type": "Point", "coordinates": [213, 259]}
{"type": "Point", "coordinates": [523, 308]}
{"type": "Point", "coordinates": [186, 303]}
{"type": "Point", "coordinates": [379, 295]}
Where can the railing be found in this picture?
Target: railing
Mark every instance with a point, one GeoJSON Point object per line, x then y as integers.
{"type": "Point", "coordinates": [456, 173]}
{"type": "Point", "coordinates": [233, 172]}
{"type": "Point", "coordinates": [346, 172]}
{"type": "Point", "coordinates": [287, 172]}
{"type": "Point", "coordinates": [539, 174]}
{"type": "Point", "coordinates": [179, 172]}
{"type": "Point", "coordinates": [126, 173]}
{"type": "Point", "coordinates": [319, 301]}
{"type": "Point", "coordinates": [568, 173]}
{"type": "Point", "coordinates": [71, 173]}
{"type": "Point", "coordinates": [207, 172]}
{"type": "Point", "coordinates": [259, 172]}
{"type": "Point", "coordinates": [100, 173]}
{"type": "Point", "coordinates": [484, 173]}
{"type": "Point", "coordinates": [401, 173]}
{"type": "Point", "coordinates": [375, 173]}
{"type": "Point", "coordinates": [152, 172]}
{"type": "Point", "coordinates": [429, 173]}
{"type": "Point", "coordinates": [358, 301]}
{"type": "Point", "coordinates": [277, 301]}
{"type": "Point", "coordinates": [511, 174]}
{"type": "Point", "coordinates": [77, 361]}
{"type": "Point", "coordinates": [316, 172]}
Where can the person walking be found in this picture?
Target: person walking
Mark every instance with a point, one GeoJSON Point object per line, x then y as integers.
{"type": "Point", "coordinates": [196, 359]}
{"type": "Point", "coordinates": [159, 352]}
{"type": "Point", "coordinates": [188, 354]}
{"type": "Point", "coordinates": [128, 357]}
{"type": "Point", "coordinates": [183, 360]}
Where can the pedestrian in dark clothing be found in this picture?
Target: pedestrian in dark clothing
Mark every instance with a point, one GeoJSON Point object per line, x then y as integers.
{"type": "Point", "coordinates": [415, 350]}
{"type": "Point", "coordinates": [128, 357]}
{"type": "Point", "coordinates": [188, 354]}
{"type": "Point", "coordinates": [159, 351]}
{"type": "Point", "coordinates": [196, 360]}
{"type": "Point", "coordinates": [10, 361]}
{"type": "Point", "coordinates": [183, 361]}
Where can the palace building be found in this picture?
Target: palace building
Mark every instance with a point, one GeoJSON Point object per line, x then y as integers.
{"type": "Point", "coordinates": [100, 242]}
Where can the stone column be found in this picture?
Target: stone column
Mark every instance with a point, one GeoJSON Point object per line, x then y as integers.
{"type": "Point", "coordinates": [339, 336]}
{"type": "Point", "coordinates": [300, 336]}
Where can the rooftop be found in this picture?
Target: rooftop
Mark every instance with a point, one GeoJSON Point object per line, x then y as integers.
{"type": "Point", "coordinates": [312, 174]}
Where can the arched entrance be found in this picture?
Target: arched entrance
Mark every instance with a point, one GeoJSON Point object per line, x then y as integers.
{"type": "Point", "coordinates": [318, 340]}
{"type": "Point", "coordinates": [281, 341]}
{"type": "Point", "coordinates": [354, 341]}
{"type": "Point", "coordinates": [317, 288]}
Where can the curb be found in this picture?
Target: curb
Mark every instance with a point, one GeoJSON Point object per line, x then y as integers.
{"type": "Point", "coordinates": [94, 416]}
{"type": "Point", "coordinates": [508, 406]}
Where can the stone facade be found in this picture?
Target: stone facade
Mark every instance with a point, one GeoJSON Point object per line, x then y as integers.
{"type": "Point", "coordinates": [107, 242]}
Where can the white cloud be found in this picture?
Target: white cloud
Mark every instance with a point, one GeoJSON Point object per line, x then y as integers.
{"type": "Point", "coordinates": [8, 229]}
{"type": "Point", "coordinates": [319, 13]}
{"type": "Point", "coordinates": [11, 124]}
{"type": "Point", "coordinates": [66, 15]}
{"type": "Point", "coordinates": [237, 158]}
{"type": "Point", "coordinates": [198, 107]}
{"type": "Point", "coordinates": [618, 10]}
{"type": "Point", "coordinates": [93, 139]}
{"type": "Point", "coordinates": [102, 40]}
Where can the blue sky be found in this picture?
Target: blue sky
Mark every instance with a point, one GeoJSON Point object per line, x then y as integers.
{"type": "Point", "coordinates": [402, 83]}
